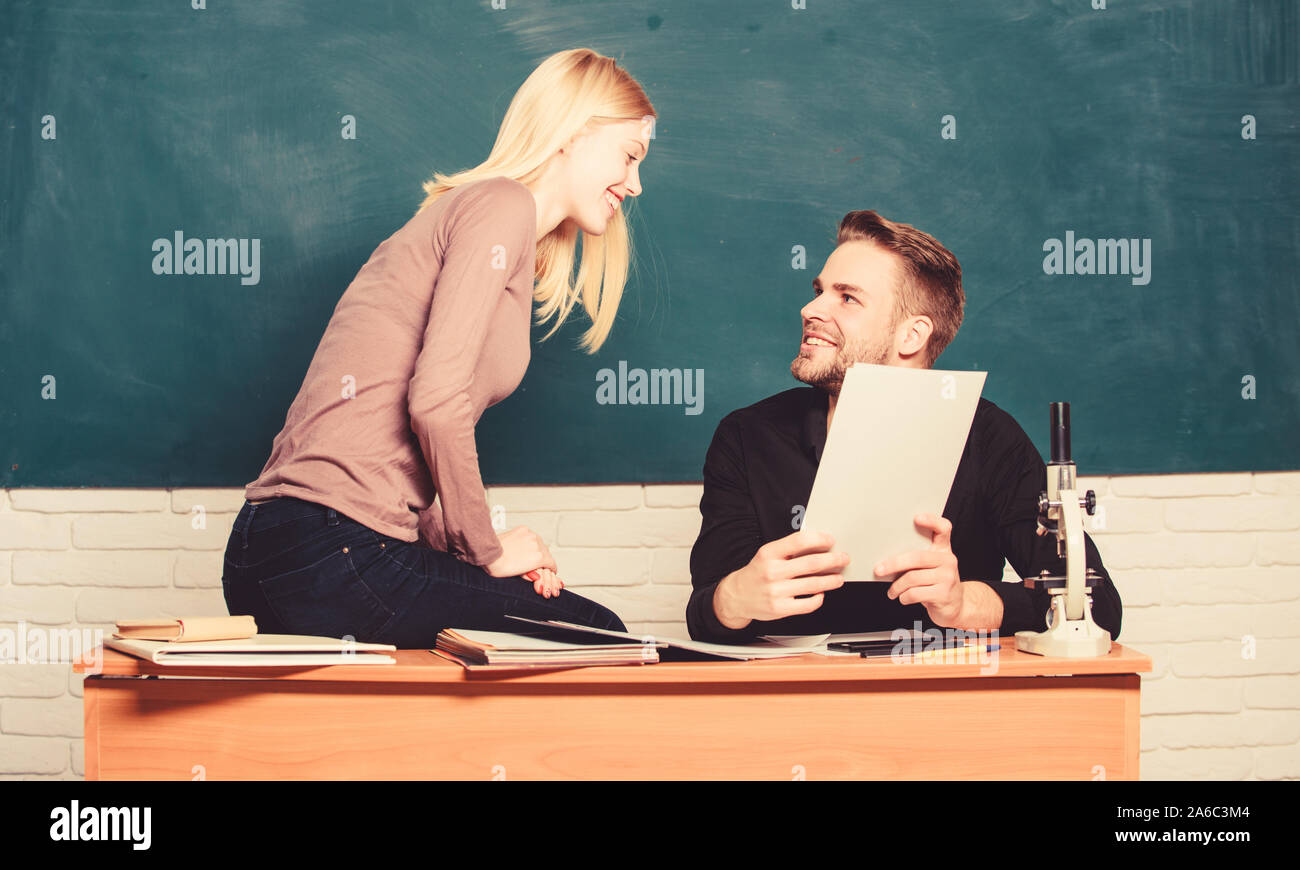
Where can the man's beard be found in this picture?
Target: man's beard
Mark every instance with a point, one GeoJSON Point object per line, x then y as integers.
{"type": "Point", "coordinates": [829, 375]}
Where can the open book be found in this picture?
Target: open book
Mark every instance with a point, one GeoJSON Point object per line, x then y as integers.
{"type": "Point", "coordinates": [475, 649]}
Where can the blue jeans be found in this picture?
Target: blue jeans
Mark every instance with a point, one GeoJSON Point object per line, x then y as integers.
{"type": "Point", "coordinates": [302, 568]}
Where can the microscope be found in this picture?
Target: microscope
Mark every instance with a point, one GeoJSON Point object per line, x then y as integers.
{"type": "Point", "coordinates": [1071, 633]}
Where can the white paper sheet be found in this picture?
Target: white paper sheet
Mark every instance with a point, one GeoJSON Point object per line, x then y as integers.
{"type": "Point", "coordinates": [891, 453]}
{"type": "Point", "coordinates": [798, 641]}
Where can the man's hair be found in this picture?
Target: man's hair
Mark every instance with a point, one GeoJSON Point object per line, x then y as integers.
{"type": "Point", "coordinates": [931, 276]}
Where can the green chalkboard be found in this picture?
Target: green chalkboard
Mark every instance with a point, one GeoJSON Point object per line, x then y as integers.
{"type": "Point", "coordinates": [1176, 124]}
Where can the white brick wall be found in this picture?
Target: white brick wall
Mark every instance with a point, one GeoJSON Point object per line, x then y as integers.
{"type": "Point", "coordinates": [1208, 566]}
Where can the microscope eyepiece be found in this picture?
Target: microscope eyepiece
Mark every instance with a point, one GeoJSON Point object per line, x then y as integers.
{"type": "Point", "coordinates": [1060, 432]}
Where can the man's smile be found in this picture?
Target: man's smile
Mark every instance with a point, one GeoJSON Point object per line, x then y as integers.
{"type": "Point", "coordinates": [813, 339]}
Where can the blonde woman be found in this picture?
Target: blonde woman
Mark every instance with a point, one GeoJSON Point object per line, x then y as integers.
{"type": "Point", "coordinates": [341, 534]}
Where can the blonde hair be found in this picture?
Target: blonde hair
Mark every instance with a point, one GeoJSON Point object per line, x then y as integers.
{"type": "Point", "coordinates": [568, 93]}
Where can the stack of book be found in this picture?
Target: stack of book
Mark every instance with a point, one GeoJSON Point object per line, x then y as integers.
{"type": "Point", "coordinates": [233, 641]}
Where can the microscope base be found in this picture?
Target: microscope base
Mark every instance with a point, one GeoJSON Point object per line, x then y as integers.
{"type": "Point", "coordinates": [1067, 638]}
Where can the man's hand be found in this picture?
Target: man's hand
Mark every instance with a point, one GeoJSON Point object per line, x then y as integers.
{"type": "Point", "coordinates": [798, 564]}
{"type": "Point", "coordinates": [929, 577]}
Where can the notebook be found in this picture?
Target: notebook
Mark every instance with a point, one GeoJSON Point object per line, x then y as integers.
{"type": "Point", "coordinates": [187, 629]}
{"type": "Point", "coordinates": [261, 650]}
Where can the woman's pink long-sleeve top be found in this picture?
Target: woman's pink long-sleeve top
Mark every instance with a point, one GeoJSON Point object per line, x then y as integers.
{"type": "Point", "coordinates": [433, 330]}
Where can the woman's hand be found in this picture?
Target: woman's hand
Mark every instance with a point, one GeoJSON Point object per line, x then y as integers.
{"type": "Point", "coordinates": [546, 582]}
{"type": "Point", "coordinates": [523, 550]}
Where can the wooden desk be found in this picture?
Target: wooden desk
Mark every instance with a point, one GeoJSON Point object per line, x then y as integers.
{"type": "Point", "coordinates": [813, 716]}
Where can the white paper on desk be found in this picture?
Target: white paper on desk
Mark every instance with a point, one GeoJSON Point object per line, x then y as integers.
{"type": "Point", "coordinates": [891, 453]}
{"type": "Point", "coordinates": [742, 651]}
{"type": "Point", "coordinates": [798, 641]}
